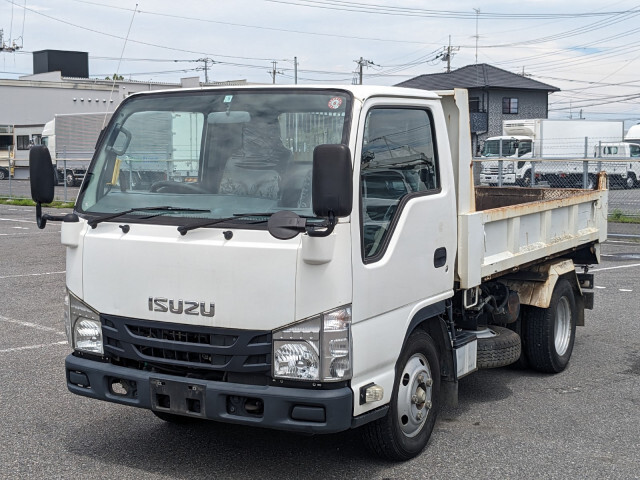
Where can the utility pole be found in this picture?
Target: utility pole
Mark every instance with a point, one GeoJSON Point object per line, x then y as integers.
{"type": "Point", "coordinates": [274, 71]}
{"type": "Point", "coordinates": [295, 70]}
{"type": "Point", "coordinates": [448, 54]}
{"type": "Point", "coordinates": [206, 61]}
{"type": "Point", "coordinates": [362, 63]}
{"type": "Point", "coordinates": [9, 47]}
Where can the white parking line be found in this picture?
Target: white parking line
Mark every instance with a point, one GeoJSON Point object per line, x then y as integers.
{"type": "Point", "coordinates": [614, 268]}
{"type": "Point", "coordinates": [33, 275]}
{"type": "Point", "coordinates": [15, 220]}
{"type": "Point", "coordinates": [31, 325]}
{"type": "Point", "coordinates": [32, 347]}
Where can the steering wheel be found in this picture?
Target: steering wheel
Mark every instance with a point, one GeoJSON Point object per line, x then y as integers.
{"type": "Point", "coordinates": [168, 186]}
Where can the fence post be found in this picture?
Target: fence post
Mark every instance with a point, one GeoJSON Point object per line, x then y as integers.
{"type": "Point", "coordinates": [14, 171]}
{"type": "Point", "coordinates": [585, 165]}
{"type": "Point", "coordinates": [64, 169]}
{"type": "Point", "coordinates": [500, 165]}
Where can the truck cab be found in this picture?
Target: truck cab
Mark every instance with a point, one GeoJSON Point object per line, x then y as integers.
{"type": "Point", "coordinates": [515, 172]}
{"type": "Point", "coordinates": [626, 173]}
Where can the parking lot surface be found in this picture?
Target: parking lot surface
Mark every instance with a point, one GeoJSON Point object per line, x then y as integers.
{"type": "Point", "coordinates": [581, 423]}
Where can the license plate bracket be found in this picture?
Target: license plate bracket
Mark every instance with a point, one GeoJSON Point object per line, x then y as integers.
{"type": "Point", "coordinates": [181, 398]}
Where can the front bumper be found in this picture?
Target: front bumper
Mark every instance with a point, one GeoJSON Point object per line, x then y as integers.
{"type": "Point", "coordinates": [292, 409]}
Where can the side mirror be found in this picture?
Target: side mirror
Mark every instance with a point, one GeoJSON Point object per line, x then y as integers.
{"type": "Point", "coordinates": [331, 192]}
{"type": "Point", "coordinates": [42, 187]}
{"type": "Point", "coordinates": [40, 168]}
{"type": "Point", "coordinates": [332, 187]}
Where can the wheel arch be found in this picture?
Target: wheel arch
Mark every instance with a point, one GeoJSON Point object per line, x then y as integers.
{"type": "Point", "coordinates": [538, 292]}
{"type": "Point", "coordinates": [431, 320]}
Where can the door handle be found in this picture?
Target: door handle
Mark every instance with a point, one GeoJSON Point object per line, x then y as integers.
{"type": "Point", "coordinates": [440, 257]}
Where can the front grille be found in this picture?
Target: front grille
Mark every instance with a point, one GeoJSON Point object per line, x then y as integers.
{"type": "Point", "coordinates": [184, 348]}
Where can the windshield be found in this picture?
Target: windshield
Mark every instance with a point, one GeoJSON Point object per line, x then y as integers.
{"type": "Point", "coordinates": [492, 148]}
{"type": "Point", "coordinates": [213, 154]}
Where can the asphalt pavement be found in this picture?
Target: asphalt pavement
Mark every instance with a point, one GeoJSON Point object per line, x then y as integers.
{"type": "Point", "coordinates": [583, 423]}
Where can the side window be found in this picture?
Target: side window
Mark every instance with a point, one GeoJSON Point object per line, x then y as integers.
{"type": "Point", "coordinates": [398, 159]}
{"type": "Point", "coordinates": [509, 105]}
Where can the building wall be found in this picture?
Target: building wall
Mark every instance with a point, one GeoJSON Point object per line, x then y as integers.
{"type": "Point", "coordinates": [531, 104]}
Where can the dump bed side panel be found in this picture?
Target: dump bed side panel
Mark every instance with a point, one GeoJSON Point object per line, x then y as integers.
{"type": "Point", "coordinates": [510, 235]}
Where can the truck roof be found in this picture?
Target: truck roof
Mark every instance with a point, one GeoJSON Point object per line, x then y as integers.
{"type": "Point", "coordinates": [359, 91]}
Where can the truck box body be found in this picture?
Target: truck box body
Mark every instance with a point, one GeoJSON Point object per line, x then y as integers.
{"type": "Point", "coordinates": [71, 139]}
{"type": "Point", "coordinates": [237, 297]}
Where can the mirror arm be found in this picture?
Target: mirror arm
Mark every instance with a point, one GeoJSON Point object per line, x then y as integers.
{"type": "Point", "coordinates": [331, 224]}
{"type": "Point", "coordinates": [41, 219]}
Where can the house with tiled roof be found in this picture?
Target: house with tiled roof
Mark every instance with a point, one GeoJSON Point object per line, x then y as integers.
{"type": "Point", "coordinates": [494, 95]}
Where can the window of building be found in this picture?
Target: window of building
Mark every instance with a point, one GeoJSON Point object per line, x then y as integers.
{"type": "Point", "coordinates": [22, 142]}
{"type": "Point", "coordinates": [399, 160]}
{"type": "Point", "coordinates": [509, 105]}
{"type": "Point", "coordinates": [474, 105]}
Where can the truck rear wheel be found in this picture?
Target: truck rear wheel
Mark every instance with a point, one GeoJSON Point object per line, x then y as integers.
{"type": "Point", "coordinates": [3, 174]}
{"type": "Point", "coordinates": [550, 332]}
{"type": "Point", "coordinates": [70, 179]}
{"type": "Point", "coordinates": [405, 430]}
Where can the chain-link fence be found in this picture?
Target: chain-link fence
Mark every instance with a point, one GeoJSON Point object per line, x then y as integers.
{"type": "Point", "coordinates": [623, 174]}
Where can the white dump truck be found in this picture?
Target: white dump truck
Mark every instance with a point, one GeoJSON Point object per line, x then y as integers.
{"type": "Point", "coordinates": [543, 138]}
{"type": "Point", "coordinates": [331, 267]}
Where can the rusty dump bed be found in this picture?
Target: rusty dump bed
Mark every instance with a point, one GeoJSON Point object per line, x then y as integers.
{"type": "Point", "coordinates": [518, 227]}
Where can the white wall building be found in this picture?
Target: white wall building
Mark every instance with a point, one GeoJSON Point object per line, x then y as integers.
{"type": "Point", "coordinates": [28, 103]}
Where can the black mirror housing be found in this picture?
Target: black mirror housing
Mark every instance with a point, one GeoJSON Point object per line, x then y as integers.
{"type": "Point", "coordinates": [332, 187]}
{"type": "Point", "coordinates": [40, 174]}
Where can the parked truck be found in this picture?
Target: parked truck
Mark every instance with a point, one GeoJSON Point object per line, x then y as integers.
{"type": "Point", "coordinates": [332, 266]}
{"type": "Point", "coordinates": [543, 138]}
{"type": "Point", "coordinates": [71, 140]}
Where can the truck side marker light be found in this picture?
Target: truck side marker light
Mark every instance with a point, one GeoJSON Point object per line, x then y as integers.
{"type": "Point", "coordinates": [371, 393]}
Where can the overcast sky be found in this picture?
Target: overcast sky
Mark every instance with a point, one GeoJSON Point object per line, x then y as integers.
{"type": "Point", "coordinates": [589, 49]}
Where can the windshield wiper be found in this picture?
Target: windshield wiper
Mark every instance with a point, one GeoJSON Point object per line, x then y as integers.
{"type": "Point", "coordinates": [183, 229]}
{"type": "Point", "coordinates": [93, 223]}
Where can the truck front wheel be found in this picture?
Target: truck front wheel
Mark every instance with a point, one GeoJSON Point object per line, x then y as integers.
{"type": "Point", "coordinates": [550, 332]}
{"type": "Point", "coordinates": [405, 430]}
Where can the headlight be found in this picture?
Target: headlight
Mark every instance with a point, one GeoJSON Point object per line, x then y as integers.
{"type": "Point", "coordinates": [317, 349]}
{"type": "Point", "coordinates": [84, 326]}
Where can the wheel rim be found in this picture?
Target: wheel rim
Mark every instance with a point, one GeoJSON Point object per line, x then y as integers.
{"type": "Point", "coordinates": [563, 326]}
{"type": "Point", "coordinates": [414, 395]}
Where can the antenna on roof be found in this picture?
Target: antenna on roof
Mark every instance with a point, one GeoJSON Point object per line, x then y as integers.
{"type": "Point", "coordinates": [115, 75]}
{"type": "Point", "coordinates": [477, 37]}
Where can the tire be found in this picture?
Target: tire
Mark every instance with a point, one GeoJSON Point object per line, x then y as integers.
{"type": "Point", "coordinates": [3, 174]}
{"type": "Point", "coordinates": [592, 182]}
{"type": "Point", "coordinates": [550, 332]}
{"type": "Point", "coordinates": [175, 419]}
{"type": "Point", "coordinates": [499, 350]}
{"type": "Point", "coordinates": [630, 181]}
{"type": "Point", "coordinates": [405, 430]}
{"type": "Point", "coordinates": [523, 362]}
{"type": "Point", "coordinates": [525, 181]}
{"type": "Point", "coordinates": [69, 179]}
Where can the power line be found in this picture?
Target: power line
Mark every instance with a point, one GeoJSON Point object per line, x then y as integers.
{"type": "Point", "coordinates": [378, 9]}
